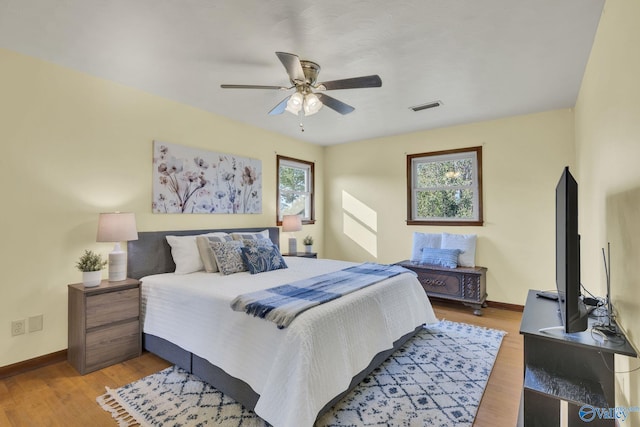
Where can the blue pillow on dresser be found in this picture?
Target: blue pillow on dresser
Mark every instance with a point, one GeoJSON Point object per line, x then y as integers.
{"type": "Point", "coordinates": [443, 257]}
{"type": "Point", "coordinates": [259, 259]}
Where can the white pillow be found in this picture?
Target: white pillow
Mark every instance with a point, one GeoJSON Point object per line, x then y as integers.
{"type": "Point", "coordinates": [424, 240]}
{"type": "Point", "coordinates": [466, 243]}
{"type": "Point", "coordinates": [185, 254]}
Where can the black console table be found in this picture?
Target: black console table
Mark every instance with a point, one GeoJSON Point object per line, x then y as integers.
{"type": "Point", "coordinates": [574, 368]}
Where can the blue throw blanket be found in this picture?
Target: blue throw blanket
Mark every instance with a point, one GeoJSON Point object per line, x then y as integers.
{"type": "Point", "coordinates": [282, 304]}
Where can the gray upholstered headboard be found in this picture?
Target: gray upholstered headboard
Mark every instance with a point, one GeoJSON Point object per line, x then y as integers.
{"type": "Point", "coordinates": [151, 254]}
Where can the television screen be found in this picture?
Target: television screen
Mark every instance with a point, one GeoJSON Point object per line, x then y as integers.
{"type": "Point", "coordinates": [572, 310]}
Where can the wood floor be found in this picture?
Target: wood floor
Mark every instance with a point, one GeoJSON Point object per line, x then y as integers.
{"type": "Point", "coordinates": [57, 395]}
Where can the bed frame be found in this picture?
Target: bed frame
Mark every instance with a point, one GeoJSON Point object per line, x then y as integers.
{"type": "Point", "coordinates": [151, 254]}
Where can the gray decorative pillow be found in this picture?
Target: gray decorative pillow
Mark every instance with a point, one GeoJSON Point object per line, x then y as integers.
{"type": "Point", "coordinates": [259, 259]}
{"type": "Point", "coordinates": [228, 256]}
{"type": "Point", "coordinates": [206, 251]}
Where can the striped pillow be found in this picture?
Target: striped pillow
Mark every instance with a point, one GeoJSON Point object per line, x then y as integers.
{"type": "Point", "coordinates": [264, 234]}
{"type": "Point", "coordinates": [443, 257]}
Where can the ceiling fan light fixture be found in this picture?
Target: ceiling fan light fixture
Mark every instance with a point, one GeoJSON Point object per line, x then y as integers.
{"type": "Point", "coordinates": [294, 105]}
{"type": "Point", "coordinates": [311, 104]}
{"type": "Point", "coordinates": [303, 75]}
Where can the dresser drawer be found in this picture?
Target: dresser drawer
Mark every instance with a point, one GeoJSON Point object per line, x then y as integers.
{"type": "Point", "coordinates": [111, 345]}
{"type": "Point", "coordinates": [441, 283]}
{"type": "Point", "coordinates": [112, 307]}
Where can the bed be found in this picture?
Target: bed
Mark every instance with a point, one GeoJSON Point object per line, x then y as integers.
{"type": "Point", "coordinates": [287, 376]}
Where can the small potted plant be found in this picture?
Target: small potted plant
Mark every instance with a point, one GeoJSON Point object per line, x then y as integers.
{"type": "Point", "coordinates": [308, 243]}
{"type": "Point", "coordinates": [91, 265]}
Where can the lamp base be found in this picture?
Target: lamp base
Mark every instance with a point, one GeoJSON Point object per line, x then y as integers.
{"type": "Point", "coordinates": [293, 245]}
{"type": "Point", "coordinates": [117, 266]}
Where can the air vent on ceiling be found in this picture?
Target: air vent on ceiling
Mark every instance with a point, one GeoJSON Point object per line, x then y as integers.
{"type": "Point", "coordinates": [426, 106]}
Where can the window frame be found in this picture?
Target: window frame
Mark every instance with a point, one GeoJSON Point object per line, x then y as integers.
{"type": "Point", "coordinates": [414, 159]}
{"type": "Point", "coordinates": [293, 162]}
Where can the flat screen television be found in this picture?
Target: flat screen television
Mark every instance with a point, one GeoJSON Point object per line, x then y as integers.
{"type": "Point", "coordinates": [572, 310]}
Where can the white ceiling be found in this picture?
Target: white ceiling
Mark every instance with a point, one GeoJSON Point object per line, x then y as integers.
{"type": "Point", "coordinates": [483, 59]}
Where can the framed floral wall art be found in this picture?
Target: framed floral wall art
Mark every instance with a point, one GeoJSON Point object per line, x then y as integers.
{"type": "Point", "coordinates": [191, 180]}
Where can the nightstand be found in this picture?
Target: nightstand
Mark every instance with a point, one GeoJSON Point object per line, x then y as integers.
{"type": "Point", "coordinates": [303, 254]}
{"type": "Point", "coordinates": [104, 324]}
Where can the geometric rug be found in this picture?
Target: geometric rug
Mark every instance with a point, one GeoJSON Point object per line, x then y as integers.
{"type": "Point", "coordinates": [436, 379]}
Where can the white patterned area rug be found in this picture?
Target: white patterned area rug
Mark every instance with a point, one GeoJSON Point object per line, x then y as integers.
{"type": "Point", "coordinates": [436, 379]}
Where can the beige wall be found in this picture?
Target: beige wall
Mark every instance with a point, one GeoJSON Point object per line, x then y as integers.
{"type": "Point", "coordinates": [523, 158]}
{"type": "Point", "coordinates": [74, 146]}
{"type": "Point", "coordinates": [608, 150]}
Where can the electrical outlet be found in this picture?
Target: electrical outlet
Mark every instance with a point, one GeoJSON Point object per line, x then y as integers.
{"type": "Point", "coordinates": [35, 323]}
{"type": "Point", "coordinates": [18, 327]}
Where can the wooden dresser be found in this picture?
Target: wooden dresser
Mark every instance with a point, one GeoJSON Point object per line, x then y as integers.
{"type": "Point", "coordinates": [465, 284]}
{"type": "Point", "coordinates": [104, 324]}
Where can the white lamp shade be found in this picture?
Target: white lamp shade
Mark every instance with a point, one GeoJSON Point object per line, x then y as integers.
{"type": "Point", "coordinates": [117, 227]}
{"type": "Point", "coordinates": [294, 104]}
{"type": "Point", "coordinates": [311, 104]}
{"type": "Point", "coordinates": [291, 223]}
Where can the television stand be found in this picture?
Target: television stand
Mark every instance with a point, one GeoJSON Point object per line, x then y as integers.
{"type": "Point", "coordinates": [552, 328]}
{"type": "Point", "coordinates": [565, 373]}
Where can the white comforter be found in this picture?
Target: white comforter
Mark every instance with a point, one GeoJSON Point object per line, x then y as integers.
{"type": "Point", "coordinates": [296, 370]}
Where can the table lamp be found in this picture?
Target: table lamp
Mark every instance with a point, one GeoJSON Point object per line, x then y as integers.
{"type": "Point", "coordinates": [290, 224]}
{"type": "Point", "coordinates": [116, 227]}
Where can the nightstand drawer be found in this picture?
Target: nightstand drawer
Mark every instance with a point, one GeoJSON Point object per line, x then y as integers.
{"type": "Point", "coordinates": [113, 344]}
{"type": "Point", "coordinates": [111, 307]}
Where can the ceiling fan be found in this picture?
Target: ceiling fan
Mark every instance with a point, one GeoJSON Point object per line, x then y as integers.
{"type": "Point", "coordinates": [308, 96]}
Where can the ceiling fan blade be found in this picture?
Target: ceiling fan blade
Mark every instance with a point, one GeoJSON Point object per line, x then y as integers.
{"type": "Point", "coordinates": [334, 104]}
{"type": "Point", "coordinates": [352, 83]}
{"type": "Point", "coordinates": [293, 66]}
{"type": "Point", "coordinates": [279, 109]}
{"type": "Point", "coordinates": [253, 87]}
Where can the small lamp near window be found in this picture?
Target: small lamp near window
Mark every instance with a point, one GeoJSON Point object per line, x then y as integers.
{"type": "Point", "coordinates": [291, 224]}
{"type": "Point", "coordinates": [117, 227]}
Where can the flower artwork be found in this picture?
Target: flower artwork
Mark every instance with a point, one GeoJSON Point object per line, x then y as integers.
{"type": "Point", "coordinates": [190, 180]}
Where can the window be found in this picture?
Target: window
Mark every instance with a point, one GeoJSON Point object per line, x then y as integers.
{"type": "Point", "coordinates": [445, 187]}
{"type": "Point", "coordinates": [295, 189]}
